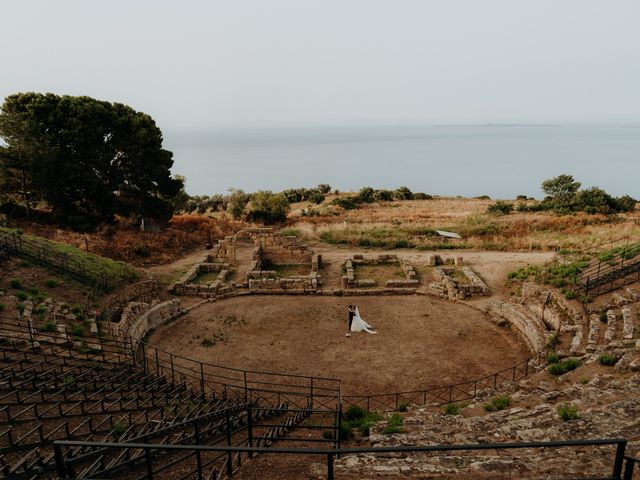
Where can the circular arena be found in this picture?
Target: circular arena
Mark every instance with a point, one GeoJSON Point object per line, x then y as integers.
{"type": "Point", "coordinates": [422, 342]}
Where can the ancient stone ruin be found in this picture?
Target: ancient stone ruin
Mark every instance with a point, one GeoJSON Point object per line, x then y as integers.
{"type": "Point", "coordinates": [349, 280]}
{"type": "Point", "coordinates": [455, 282]}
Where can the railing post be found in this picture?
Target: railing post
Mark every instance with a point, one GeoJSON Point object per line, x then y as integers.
{"type": "Point", "coordinates": [202, 379]}
{"type": "Point", "coordinates": [59, 457]}
{"type": "Point", "coordinates": [628, 469]}
{"type": "Point", "coordinates": [245, 384]}
{"type": "Point", "coordinates": [249, 428]}
{"type": "Point", "coordinates": [311, 391]}
{"type": "Point", "coordinates": [133, 354]}
{"type": "Point", "coordinates": [197, 442]}
{"type": "Point", "coordinates": [157, 362]}
{"type": "Point", "coordinates": [617, 464]}
{"type": "Point", "coordinates": [144, 359]}
{"type": "Point", "coordinates": [330, 466]}
{"type": "Point", "coordinates": [147, 454]}
{"type": "Point", "coordinates": [173, 380]}
{"type": "Point", "coordinates": [229, 454]}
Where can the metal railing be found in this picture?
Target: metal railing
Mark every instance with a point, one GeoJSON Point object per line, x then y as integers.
{"type": "Point", "coordinates": [17, 244]}
{"type": "Point", "coordinates": [214, 381]}
{"type": "Point", "coordinates": [457, 392]}
{"type": "Point", "coordinates": [65, 466]}
{"type": "Point", "coordinates": [630, 467]}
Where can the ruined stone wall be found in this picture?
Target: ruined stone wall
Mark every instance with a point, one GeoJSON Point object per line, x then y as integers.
{"type": "Point", "coordinates": [152, 318]}
{"type": "Point", "coordinates": [530, 328]}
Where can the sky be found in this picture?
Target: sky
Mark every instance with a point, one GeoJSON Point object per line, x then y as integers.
{"type": "Point", "coordinates": [269, 63]}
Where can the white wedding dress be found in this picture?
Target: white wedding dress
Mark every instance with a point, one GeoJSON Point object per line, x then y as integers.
{"type": "Point", "coordinates": [359, 325]}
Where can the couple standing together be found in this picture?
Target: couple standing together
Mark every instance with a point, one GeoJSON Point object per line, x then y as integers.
{"type": "Point", "coordinates": [356, 323]}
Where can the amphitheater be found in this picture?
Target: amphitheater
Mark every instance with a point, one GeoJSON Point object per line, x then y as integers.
{"type": "Point", "coordinates": [240, 368]}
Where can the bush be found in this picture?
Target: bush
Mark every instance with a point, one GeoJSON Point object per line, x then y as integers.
{"type": "Point", "coordinates": [346, 430]}
{"type": "Point", "coordinates": [207, 342]}
{"type": "Point", "coordinates": [316, 197]}
{"type": "Point", "coordinates": [361, 419]}
{"type": "Point", "coordinates": [451, 409]}
{"type": "Point", "coordinates": [499, 402]}
{"type": "Point", "coordinates": [49, 327]}
{"type": "Point", "coordinates": [142, 250]}
{"type": "Point", "coordinates": [564, 366]}
{"type": "Point", "coordinates": [22, 296]}
{"type": "Point", "coordinates": [348, 203]}
{"type": "Point", "coordinates": [403, 406]}
{"type": "Point", "coordinates": [403, 193]}
{"type": "Point", "coordinates": [394, 424]}
{"type": "Point", "coordinates": [383, 195]}
{"type": "Point", "coordinates": [366, 195]}
{"type": "Point", "coordinates": [1, 307]}
{"type": "Point", "coordinates": [327, 435]}
{"type": "Point", "coordinates": [422, 196]}
{"type": "Point", "coordinates": [570, 294]}
{"type": "Point", "coordinates": [567, 412]}
{"type": "Point", "coordinates": [500, 208]}
{"type": "Point", "coordinates": [119, 428]}
{"type": "Point", "coordinates": [52, 283]}
{"type": "Point", "coordinates": [77, 330]}
{"type": "Point", "coordinates": [553, 358]}
{"type": "Point", "coordinates": [267, 207]}
{"type": "Point", "coordinates": [608, 360]}
{"type": "Point", "coordinates": [236, 201]}
{"type": "Point", "coordinates": [16, 284]}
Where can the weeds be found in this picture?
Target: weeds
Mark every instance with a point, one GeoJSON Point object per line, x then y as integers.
{"type": "Point", "coordinates": [564, 366]}
{"type": "Point", "coordinates": [567, 412]}
{"type": "Point", "coordinates": [499, 402]}
{"type": "Point", "coordinates": [608, 360]}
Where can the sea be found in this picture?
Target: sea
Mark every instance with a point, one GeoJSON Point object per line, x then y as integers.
{"type": "Point", "coordinates": [501, 161]}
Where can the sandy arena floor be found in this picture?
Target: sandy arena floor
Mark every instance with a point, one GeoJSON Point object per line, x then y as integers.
{"type": "Point", "coordinates": [421, 341]}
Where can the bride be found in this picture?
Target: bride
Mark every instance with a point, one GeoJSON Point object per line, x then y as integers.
{"type": "Point", "coordinates": [359, 325]}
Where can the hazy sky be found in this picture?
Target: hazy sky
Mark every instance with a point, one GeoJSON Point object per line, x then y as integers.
{"type": "Point", "coordinates": [298, 62]}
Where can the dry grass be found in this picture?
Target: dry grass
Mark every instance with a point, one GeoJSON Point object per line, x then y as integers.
{"type": "Point", "coordinates": [411, 224]}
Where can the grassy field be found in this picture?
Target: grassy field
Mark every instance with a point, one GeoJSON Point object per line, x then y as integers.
{"type": "Point", "coordinates": [412, 224]}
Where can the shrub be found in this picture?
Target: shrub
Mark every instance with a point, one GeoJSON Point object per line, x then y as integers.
{"type": "Point", "coordinates": [16, 284]}
{"type": "Point", "coordinates": [236, 201]}
{"type": "Point", "coordinates": [366, 195]}
{"type": "Point", "coordinates": [77, 330]}
{"type": "Point", "coordinates": [553, 358]}
{"type": "Point", "coordinates": [403, 406]}
{"type": "Point", "coordinates": [394, 424]}
{"type": "Point", "coordinates": [608, 360]}
{"type": "Point", "coordinates": [354, 412]}
{"type": "Point", "coordinates": [499, 402]}
{"type": "Point", "coordinates": [348, 203]}
{"type": "Point", "coordinates": [69, 380]}
{"type": "Point", "coordinates": [361, 419]}
{"type": "Point", "coordinates": [564, 366]}
{"type": "Point", "coordinates": [327, 435]}
{"type": "Point", "coordinates": [119, 428]}
{"type": "Point", "coordinates": [22, 296]}
{"type": "Point", "coordinates": [451, 409]}
{"type": "Point", "coordinates": [34, 292]}
{"type": "Point", "coordinates": [403, 193]}
{"type": "Point", "coordinates": [567, 412]}
{"type": "Point", "coordinates": [49, 327]}
{"type": "Point", "coordinates": [570, 294]}
{"type": "Point", "coordinates": [603, 317]}
{"type": "Point", "coordinates": [21, 307]}
{"type": "Point", "coordinates": [207, 342]}
{"type": "Point", "coordinates": [500, 208]}
{"type": "Point", "coordinates": [1, 307]}
{"type": "Point", "coordinates": [267, 207]}
{"type": "Point", "coordinates": [142, 250]}
{"type": "Point", "coordinates": [317, 198]}
{"type": "Point", "coordinates": [346, 430]}
{"type": "Point", "coordinates": [422, 196]}
{"type": "Point", "coordinates": [52, 283]}
{"type": "Point", "coordinates": [383, 195]}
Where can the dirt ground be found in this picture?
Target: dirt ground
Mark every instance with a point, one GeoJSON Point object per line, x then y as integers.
{"type": "Point", "coordinates": [421, 341]}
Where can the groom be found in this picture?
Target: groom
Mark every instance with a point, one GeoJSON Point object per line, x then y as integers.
{"type": "Point", "coordinates": [352, 312]}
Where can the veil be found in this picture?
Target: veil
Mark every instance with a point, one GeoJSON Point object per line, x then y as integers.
{"type": "Point", "coordinates": [359, 325]}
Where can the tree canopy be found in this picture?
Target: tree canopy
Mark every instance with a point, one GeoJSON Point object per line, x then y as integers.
{"type": "Point", "coordinates": [87, 159]}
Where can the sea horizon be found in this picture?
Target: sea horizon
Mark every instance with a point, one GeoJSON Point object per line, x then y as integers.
{"type": "Point", "coordinates": [501, 160]}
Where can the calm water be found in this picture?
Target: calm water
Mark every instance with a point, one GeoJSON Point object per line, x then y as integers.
{"type": "Point", "coordinates": [501, 161]}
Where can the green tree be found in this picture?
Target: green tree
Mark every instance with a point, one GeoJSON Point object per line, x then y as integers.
{"type": "Point", "coordinates": [562, 189]}
{"type": "Point", "coordinates": [236, 201]}
{"type": "Point", "coordinates": [267, 207]}
{"type": "Point", "coordinates": [88, 159]}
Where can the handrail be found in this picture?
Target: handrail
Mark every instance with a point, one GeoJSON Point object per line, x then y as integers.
{"type": "Point", "coordinates": [65, 465]}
